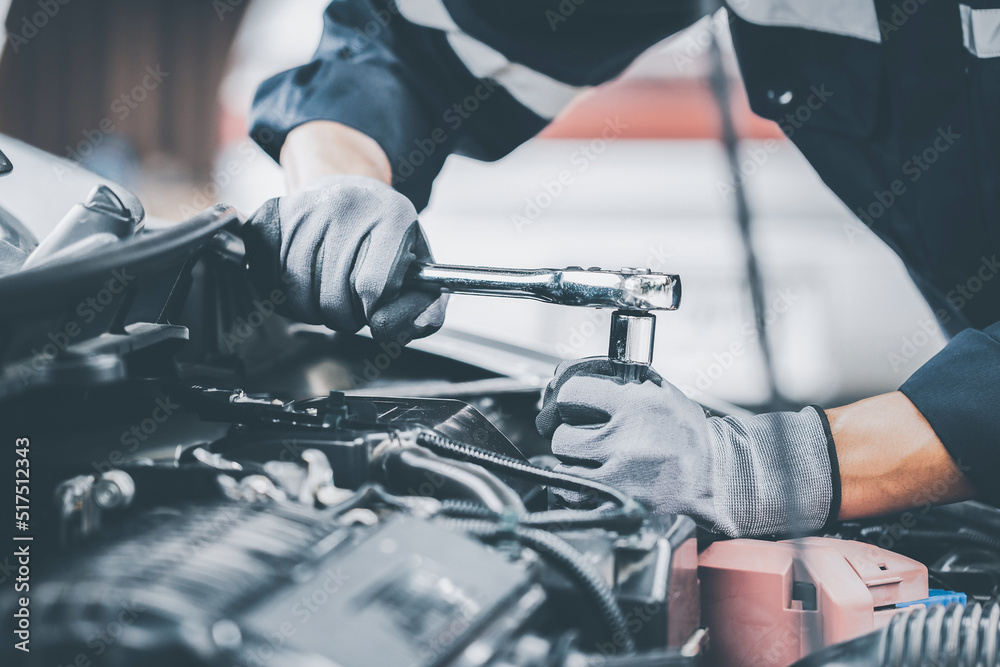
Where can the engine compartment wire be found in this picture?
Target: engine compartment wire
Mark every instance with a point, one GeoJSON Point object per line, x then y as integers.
{"type": "Point", "coordinates": [626, 517]}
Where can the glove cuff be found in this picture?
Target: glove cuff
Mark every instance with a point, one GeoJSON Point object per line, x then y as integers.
{"type": "Point", "coordinates": [831, 450]}
{"type": "Point", "coordinates": [774, 473]}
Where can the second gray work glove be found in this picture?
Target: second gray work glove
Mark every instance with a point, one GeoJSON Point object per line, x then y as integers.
{"type": "Point", "coordinates": [339, 251]}
{"type": "Point", "coordinates": [743, 477]}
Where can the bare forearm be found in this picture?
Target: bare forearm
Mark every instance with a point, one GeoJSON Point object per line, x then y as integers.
{"type": "Point", "coordinates": [890, 458]}
{"type": "Point", "coordinates": [323, 148]}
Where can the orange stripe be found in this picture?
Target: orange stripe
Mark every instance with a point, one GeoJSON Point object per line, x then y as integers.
{"type": "Point", "coordinates": [652, 109]}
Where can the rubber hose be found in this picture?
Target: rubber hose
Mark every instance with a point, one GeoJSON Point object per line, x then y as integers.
{"type": "Point", "coordinates": [626, 518]}
{"type": "Point", "coordinates": [569, 561]}
{"type": "Point", "coordinates": [963, 535]}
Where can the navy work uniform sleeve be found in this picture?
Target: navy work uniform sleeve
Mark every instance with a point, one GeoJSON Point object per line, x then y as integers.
{"type": "Point", "coordinates": [400, 84]}
{"type": "Point", "coordinates": [958, 392]}
{"type": "Point", "coordinates": [407, 75]}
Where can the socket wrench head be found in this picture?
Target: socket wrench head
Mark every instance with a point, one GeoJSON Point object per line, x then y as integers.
{"type": "Point", "coordinates": [630, 347]}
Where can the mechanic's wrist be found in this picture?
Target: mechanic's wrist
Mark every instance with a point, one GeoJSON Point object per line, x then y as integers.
{"type": "Point", "coordinates": [776, 473]}
{"type": "Point", "coordinates": [320, 148]}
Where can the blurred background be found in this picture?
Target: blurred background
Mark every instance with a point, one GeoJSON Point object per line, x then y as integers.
{"type": "Point", "coordinates": [154, 94]}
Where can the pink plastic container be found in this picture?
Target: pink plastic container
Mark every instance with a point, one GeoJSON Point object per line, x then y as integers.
{"type": "Point", "coordinates": [772, 603]}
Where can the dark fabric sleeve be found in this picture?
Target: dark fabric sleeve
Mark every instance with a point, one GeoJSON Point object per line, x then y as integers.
{"type": "Point", "coordinates": [958, 392]}
{"type": "Point", "coordinates": [400, 84]}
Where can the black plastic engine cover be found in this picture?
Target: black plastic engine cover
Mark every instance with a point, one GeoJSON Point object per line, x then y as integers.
{"type": "Point", "coordinates": [278, 584]}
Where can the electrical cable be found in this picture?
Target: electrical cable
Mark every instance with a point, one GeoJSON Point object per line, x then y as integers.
{"type": "Point", "coordinates": [965, 536]}
{"type": "Point", "coordinates": [568, 560]}
{"type": "Point", "coordinates": [626, 517]}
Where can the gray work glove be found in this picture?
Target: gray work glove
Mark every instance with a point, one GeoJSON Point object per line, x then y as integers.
{"type": "Point", "coordinates": [339, 251]}
{"type": "Point", "coordinates": [652, 442]}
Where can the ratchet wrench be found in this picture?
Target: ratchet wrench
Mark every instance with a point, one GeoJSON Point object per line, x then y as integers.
{"type": "Point", "coordinates": [633, 293]}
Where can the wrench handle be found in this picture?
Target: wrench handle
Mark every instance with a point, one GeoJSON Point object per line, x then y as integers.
{"type": "Point", "coordinates": [522, 283]}
{"type": "Point", "coordinates": [628, 289]}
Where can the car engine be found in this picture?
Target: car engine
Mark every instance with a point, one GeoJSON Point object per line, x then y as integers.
{"type": "Point", "coordinates": [328, 532]}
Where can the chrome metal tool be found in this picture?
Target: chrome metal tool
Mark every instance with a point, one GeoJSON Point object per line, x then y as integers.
{"type": "Point", "coordinates": [634, 293]}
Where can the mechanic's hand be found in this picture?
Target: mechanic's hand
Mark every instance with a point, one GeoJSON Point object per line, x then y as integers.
{"type": "Point", "coordinates": [339, 252]}
{"type": "Point", "coordinates": [652, 442]}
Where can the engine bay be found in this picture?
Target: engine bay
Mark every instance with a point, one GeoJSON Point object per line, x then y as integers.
{"type": "Point", "coordinates": [318, 529]}
{"type": "Point", "coordinates": [210, 484]}
{"type": "Point", "coordinates": [351, 530]}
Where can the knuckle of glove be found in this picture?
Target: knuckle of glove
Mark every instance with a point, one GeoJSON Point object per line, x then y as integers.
{"type": "Point", "coordinates": [431, 318]}
{"type": "Point", "coordinates": [280, 255]}
{"type": "Point", "coordinates": [547, 420]}
{"type": "Point", "coordinates": [412, 315]}
{"type": "Point", "coordinates": [336, 249]}
{"type": "Point", "coordinates": [573, 367]}
{"type": "Point", "coordinates": [581, 414]}
{"type": "Point", "coordinates": [381, 262]}
{"type": "Point", "coordinates": [598, 393]}
{"type": "Point", "coordinates": [366, 251]}
{"type": "Point", "coordinates": [589, 446]}
{"type": "Point", "coordinates": [557, 408]}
